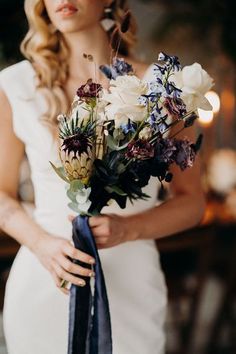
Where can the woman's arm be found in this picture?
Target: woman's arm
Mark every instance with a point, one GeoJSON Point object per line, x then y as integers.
{"type": "Point", "coordinates": [182, 211]}
{"type": "Point", "coordinates": [53, 252]}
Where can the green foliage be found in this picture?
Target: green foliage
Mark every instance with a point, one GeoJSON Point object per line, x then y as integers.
{"type": "Point", "coordinates": [60, 172]}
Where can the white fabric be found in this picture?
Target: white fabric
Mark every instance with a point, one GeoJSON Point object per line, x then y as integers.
{"type": "Point", "coordinates": [35, 311]}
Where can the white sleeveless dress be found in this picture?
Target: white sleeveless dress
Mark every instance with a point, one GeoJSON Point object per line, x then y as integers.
{"type": "Point", "coordinates": [35, 312]}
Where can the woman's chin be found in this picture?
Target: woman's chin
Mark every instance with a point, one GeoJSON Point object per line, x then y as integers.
{"type": "Point", "coordinates": [69, 27]}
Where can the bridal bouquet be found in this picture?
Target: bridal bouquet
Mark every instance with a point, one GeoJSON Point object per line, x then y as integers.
{"type": "Point", "coordinates": [112, 141]}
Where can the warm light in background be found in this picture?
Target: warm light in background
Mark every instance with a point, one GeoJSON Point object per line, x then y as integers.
{"type": "Point", "coordinates": [206, 117]}
{"type": "Point", "coordinates": [214, 100]}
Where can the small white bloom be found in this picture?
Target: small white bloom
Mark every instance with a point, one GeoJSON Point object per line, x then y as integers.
{"type": "Point", "coordinates": [84, 110]}
{"type": "Point", "coordinates": [81, 109]}
{"type": "Point", "coordinates": [123, 98]}
{"type": "Point", "coordinates": [82, 199]}
{"type": "Point", "coordinates": [146, 133]}
{"type": "Point", "coordinates": [194, 83]}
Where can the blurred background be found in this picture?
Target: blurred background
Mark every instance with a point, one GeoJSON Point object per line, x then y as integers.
{"type": "Point", "coordinates": [199, 264]}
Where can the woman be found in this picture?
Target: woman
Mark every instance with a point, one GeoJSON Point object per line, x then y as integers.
{"type": "Point", "coordinates": [32, 93]}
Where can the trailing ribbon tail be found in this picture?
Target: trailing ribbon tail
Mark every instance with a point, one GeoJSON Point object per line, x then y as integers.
{"type": "Point", "coordinates": [89, 316]}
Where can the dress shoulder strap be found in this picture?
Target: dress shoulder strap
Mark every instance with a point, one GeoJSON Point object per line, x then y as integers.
{"type": "Point", "coordinates": [18, 83]}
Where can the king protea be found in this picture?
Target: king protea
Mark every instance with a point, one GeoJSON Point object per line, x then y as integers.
{"type": "Point", "coordinates": [77, 150]}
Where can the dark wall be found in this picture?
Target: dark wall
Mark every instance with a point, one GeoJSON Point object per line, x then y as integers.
{"type": "Point", "coordinates": [12, 30]}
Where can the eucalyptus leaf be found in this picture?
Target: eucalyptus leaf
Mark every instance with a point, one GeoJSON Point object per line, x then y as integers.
{"type": "Point", "coordinates": [118, 134]}
{"type": "Point", "coordinates": [60, 172]}
{"type": "Point", "coordinates": [121, 168]}
{"type": "Point", "coordinates": [74, 207]}
{"type": "Point", "coordinates": [71, 195]}
{"type": "Point", "coordinates": [76, 185]}
{"type": "Point", "coordinates": [112, 144]}
{"type": "Point", "coordinates": [115, 189]}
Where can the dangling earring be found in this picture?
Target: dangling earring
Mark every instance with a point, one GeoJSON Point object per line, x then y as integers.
{"type": "Point", "coordinates": [108, 21]}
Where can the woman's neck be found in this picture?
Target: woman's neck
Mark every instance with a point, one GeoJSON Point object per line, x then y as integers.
{"type": "Point", "coordinates": [93, 41]}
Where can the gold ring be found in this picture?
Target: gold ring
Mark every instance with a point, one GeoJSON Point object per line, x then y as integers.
{"type": "Point", "coordinates": [63, 283]}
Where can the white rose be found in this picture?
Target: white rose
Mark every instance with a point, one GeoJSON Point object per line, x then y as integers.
{"type": "Point", "coordinates": [123, 100]}
{"type": "Point", "coordinates": [194, 83]}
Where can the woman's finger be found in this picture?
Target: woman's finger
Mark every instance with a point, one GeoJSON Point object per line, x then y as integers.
{"type": "Point", "coordinates": [101, 240]}
{"type": "Point", "coordinates": [74, 268]}
{"type": "Point", "coordinates": [96, 220]}
{"type": "Point", "coordinates": [102, 246]}
{"type": "Point", "coordinates": [72, 252]}
{"type": "Point", "coordinates": [71, 217]}
{"type": "Point", "coordinates": [101, 231]}
{"type": "Point", "coordinates": [62, 274]}
{"type": "Point", "coordinates": [57, 281]}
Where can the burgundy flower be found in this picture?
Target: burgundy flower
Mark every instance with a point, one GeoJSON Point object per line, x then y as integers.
{"type": "Point", "coordinates": [89, 90]}
{"type": "Point", "coordinates": [175, 106]}
{"type": "Point", "coordinates": [140, 149]}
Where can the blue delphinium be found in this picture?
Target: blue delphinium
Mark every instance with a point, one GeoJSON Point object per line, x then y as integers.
{"type": "Point", "coordinates": [130, 127]}
{"type": "Point", "coordinates": [119, 67]}
{"type": "Point", "coordinates": [170, 61]}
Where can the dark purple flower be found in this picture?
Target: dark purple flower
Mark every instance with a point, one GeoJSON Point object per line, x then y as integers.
{"type": "Point", "coordinates": [185, 154]}
{"type": "Point", "coordinates": [165, 150]}
{"type": "Point", "coordinates": [140, 150]}
{"type": "Point", "coordinates": [175, 106]}
{"type": "Point", "coordinates": [89, 90]}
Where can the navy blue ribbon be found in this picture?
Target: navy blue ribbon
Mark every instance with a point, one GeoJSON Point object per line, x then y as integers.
{"type": "Point", "coordinates": [89, 317]}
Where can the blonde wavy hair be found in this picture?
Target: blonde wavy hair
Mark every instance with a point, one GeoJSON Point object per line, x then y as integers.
{"type": "Point", "coordinates": [48, 52]}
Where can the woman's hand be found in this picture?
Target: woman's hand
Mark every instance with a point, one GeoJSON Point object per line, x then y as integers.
{"type": "Point", "coordinates": [111, 230]}
{"type": "Point", "coordinates": [56, 254]}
